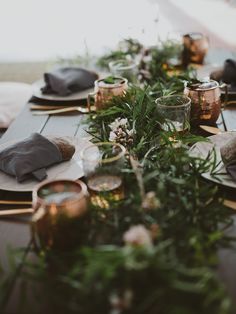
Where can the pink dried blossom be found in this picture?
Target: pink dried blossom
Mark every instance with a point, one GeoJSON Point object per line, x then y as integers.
{"type": "Point", "coordinates": [138, 236]}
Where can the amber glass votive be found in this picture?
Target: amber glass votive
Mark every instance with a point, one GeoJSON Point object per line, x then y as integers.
{"type": "Point", "coordinates": [102, 164]}
{"type": "Point", "coordinates": [61, 217]}
{"type": "Point", "coordinates": [195, 48]}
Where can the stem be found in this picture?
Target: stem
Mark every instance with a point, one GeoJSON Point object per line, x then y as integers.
{"type": "Point", "coordinates": [138, 170]}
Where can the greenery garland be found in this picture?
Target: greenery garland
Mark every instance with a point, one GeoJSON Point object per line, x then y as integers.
{"type": "Point", "coordinates": [156, 251]}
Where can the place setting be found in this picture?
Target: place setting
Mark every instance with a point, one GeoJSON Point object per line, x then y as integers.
{"type": "Point", "coordinates": [64, 88]}
{"type": "Point", "coordinates": [24, 163]}
{"type": "Point", "coordinates": [27, 162]}
{"type": "Point", "coordinates": [42, 157]}
{"type": "Point", "coordinates": [74, 89]}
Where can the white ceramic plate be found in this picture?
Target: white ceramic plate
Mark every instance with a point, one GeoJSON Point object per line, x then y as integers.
{"type": "Point", "coordinates": [71, 169]}
{"type": "Point", "coordinates": [202, 149]}
{"type": "Point", "coordinates": [75, 96]}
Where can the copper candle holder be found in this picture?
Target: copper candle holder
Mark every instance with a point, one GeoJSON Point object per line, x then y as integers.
{"type": "Point", "coordinates": [206, 102]}
{"type": "Point", "coordinates": [60, 217]}
{"type": "Point", "coordinates": [104, 91]}
{"type": "Point", "coordinates": [195, 48]}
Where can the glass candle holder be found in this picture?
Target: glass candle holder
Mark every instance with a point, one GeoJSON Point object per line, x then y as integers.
{"type": "Point", "coordinates": [175, 111]}
{"type": "Point", "coordinates": [125, 68]}
{"type": "Point", "coordinates": [60, 219]}
{"type": "Point", "coordinates": [102, 164]}
{"type": "Point", "coordinates": [105, 90]}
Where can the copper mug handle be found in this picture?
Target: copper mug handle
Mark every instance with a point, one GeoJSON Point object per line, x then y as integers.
{"type": "Point", "coordinates": [225, 87]}
{"type": "Point", "coordinates": [90, 96]}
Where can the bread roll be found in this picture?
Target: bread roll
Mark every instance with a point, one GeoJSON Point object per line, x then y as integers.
{"type": "Point", "coordinates": [228, 152]}
{"type": "Point", "coordinates": [65, 147]}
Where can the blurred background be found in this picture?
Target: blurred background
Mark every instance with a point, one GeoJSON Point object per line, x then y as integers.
{"type": "Point", "coordinates": [35, 34]}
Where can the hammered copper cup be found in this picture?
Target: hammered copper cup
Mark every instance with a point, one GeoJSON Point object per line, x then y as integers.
{"type": "Point", "coordinates": [61, 216]}
{"type": "Point", "coordinates": [104, 92]}
{"type": "Point", "coordinates": [195, 47]}
{"type": "Point", "coordinates": [205, 102]}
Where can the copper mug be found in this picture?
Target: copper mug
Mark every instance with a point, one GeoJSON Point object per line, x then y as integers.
{"type": "Point", "coordinates": [104, 92]}
{"type": "Point", "coordinates": [60, 214]}
{"type": "Point", "coordinates": [195, 48]}
{"type": "Point", "coordinates": [205, 102]}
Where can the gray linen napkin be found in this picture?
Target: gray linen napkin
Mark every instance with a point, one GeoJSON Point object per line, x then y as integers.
{"type": "Point", "coordinates": [28, 159]}
{"type": "Point", "coordinates": [226, 74]}
{"type": "Point", "coordinates": [68, 80]}
{"type": "Point", "coordinates": [229, 72]}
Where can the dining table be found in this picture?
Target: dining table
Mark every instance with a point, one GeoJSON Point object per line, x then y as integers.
{"type": "Point", "coordinates": [15, 231]}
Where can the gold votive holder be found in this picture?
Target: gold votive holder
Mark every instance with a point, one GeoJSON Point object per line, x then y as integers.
{"type": "Point", "coordinates": [61, 219]}
{"type": "Point", "coordinates": [105, 89]}
{"type": "Point", "coordinates": [102, 164]}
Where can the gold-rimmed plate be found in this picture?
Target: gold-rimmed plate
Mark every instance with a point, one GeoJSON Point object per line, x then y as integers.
{"type": "Point", "coordinates": [202, 150]}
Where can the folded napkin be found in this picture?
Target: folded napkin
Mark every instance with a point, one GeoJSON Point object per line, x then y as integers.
{"type": "Point", "coordinates": [28, 159]}
{"type": "Point", "coordinates": [65, 81]}
{"type": "Point", "coordinates": [228, 155]}
{"type": "Point", "coordinates": [227, 73]}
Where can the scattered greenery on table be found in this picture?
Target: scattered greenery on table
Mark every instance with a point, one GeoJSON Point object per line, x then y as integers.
{"type": "Point", "coordinates": [155, 252]}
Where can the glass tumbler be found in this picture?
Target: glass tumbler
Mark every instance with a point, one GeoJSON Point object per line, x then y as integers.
{"type": "Point", "coordinates": [125, 68]}
{"type": "Point", "coordinates": [175, 111]}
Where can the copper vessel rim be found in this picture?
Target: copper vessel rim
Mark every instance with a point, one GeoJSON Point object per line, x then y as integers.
{"type": "Point", "coordinates": [204, 89]}
{"type": "Point", "coordinates": [189, 35]}
{"type": "Point", "coordinates": [80, 195]}
{"type": "Point", "coordinates": [111, 86]}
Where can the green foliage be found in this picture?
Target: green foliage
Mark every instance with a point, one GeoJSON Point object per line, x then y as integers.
{"type": "Point", "coordinates": [128, 48]}
{"type": "Point", "coordinates": [131, 280]}
{"type": "Point", "coordinates": [176, 274]}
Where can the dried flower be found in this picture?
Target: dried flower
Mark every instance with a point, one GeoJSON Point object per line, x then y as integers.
{"type": "Point", "coordinates": [117, 123]}
{"type": "Point", "coordinates": [120, 132]}
{"type": "Point", "coordinates": [112, 136]}
{"type": "Point", "coordinates": [138, 236]}
{"type": "Point", "coordinates": [150, 201]}
{"type": "Point", "coordinates": [121, 301]}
